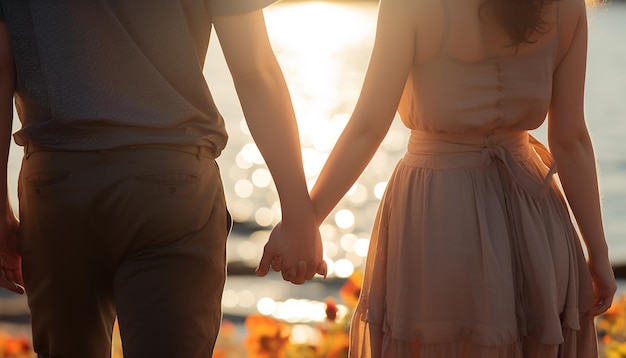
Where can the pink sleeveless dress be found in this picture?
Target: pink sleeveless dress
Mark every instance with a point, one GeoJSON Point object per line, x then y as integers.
{"type": "Point", "coordinates": [473, 253]}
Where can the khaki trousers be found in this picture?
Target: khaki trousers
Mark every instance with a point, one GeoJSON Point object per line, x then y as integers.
{"type": "Point", "coordinates": [138, 233]}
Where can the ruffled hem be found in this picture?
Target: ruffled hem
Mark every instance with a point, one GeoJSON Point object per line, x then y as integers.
{"type": "Point", "coordinates": [372, 341]}
{"type": "Point", "coordinates": [457, 349]}
{"type": "Point", "coordinates": [440, 332]}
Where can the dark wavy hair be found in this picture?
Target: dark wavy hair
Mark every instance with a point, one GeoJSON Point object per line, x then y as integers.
{"type": "Point", "coordinates": [521, 18]}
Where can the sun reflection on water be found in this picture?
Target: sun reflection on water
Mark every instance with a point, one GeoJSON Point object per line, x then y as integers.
{"type": "Point", "coordinates": [323, 49]}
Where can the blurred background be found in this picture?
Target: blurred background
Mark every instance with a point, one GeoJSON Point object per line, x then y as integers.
{"type": "Point", "coordinates": [324, 48]}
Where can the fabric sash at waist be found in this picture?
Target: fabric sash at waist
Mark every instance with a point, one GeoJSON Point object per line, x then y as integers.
{"type": "Point", "coordinates": [441, 151]}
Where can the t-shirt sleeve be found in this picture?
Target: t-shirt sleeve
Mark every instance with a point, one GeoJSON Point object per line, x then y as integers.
{"type": "Point", "coordinates": [231, 7]}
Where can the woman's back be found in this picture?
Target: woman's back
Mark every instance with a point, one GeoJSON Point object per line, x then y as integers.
{"type": "Point", "coordinates": [470, 30]}
{"type": "Point", "coordinates": [470, 75]}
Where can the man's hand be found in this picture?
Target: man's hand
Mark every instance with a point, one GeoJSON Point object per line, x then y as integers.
{"type": "Point", "coordinates": [295, 251]}
{"type": "Point", "coordinates": [10, 259]}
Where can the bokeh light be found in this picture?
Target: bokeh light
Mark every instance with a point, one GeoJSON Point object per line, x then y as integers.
{"type": "Point", "coordinates": [266, 306]}
{"type": "Point", "coordinates": [244, 188]}
{"type": "Point", "coordinates": [344, 219]}
{"type": "Point", "coordinates": [379, 189]}
{"type": "Point", "coordinates": [297, 310]}
{"type": "Point", "coordinates": [361, 247]}
{"type": "Point", "coordinates": [261, 178]}
{"type": "Point", "coordinates": [344, 268]}
{"type": "Point", "coordinates": [264, 217]}
{"type": "Point", "coordinates": [304, 334]}
{"type": "Point", "coordinates": [347, 242]}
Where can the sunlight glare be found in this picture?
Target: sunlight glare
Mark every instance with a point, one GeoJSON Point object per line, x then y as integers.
{"type": "Point", "coordinates": [308, 27]}
{"type": "Point", "coordinates": [310, 40]}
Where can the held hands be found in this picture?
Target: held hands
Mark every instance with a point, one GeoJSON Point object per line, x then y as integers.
{"type": "Point", "coordinates": [10, 259]}
{"type": "Point", "coordinates": [295, 249]}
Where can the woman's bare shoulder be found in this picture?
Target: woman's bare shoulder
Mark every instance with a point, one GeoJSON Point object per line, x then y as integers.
{"type": "Point", "coordinates": [430, 27]}
{"type": "Point", "coordinates": [572, 15]}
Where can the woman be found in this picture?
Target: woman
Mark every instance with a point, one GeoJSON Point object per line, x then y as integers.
{"type": "Point", "coordinates": [473, 253]}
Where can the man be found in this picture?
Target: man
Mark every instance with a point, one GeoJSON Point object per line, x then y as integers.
{"type": "Point", "coordinates": [121, 205]}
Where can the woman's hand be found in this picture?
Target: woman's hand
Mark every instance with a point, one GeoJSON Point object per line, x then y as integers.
{"type": "Point", "coordinates": [604, 286]}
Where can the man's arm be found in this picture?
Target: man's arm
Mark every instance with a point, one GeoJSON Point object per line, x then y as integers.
{"type": "Point", "coordinates": [10, 260]}
{"type": "Point", "coordinates": [269, 113]}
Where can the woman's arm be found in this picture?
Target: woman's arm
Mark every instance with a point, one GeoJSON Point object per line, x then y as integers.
{"type": "Point", "coordinates": [270, 116]}
{"type": "Point", "coordinates": [390, 63]}
{"type": "Point", "coordinates": [10, 260]}
{"type": "Point", "coordinates": [573, 152]}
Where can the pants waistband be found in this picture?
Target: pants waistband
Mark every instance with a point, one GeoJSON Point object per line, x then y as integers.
{"type": "Point", "coordinates": [197, 150]}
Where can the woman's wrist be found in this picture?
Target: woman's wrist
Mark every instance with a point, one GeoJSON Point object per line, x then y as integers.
{"type": "Point", "coordinates": [598, 253]}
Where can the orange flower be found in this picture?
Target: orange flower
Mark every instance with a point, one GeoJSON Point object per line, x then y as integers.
{"type": "Point", "coordinates": [616, 309]}
{"type": "Point", "coordinates": [336, 343]}
{"type": "Point", "coordinates": [14, 346]}
{"type": "Point", "coordinates": [351, 290]}
{"type": "Point", "coordinates": [331, 309]}
{"type": "Point", "coordinates": [611, 327]}
{"type": "Point", "coordinates": [267, 337]}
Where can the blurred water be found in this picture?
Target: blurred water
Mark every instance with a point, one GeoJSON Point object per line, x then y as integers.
{"type": "Point", "coordinates": [606, 115]}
